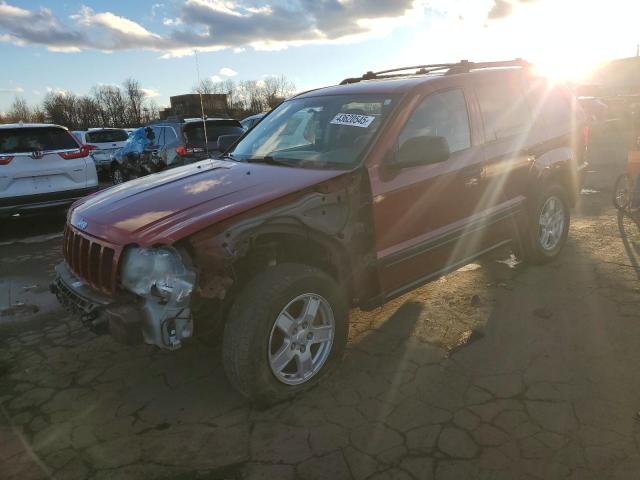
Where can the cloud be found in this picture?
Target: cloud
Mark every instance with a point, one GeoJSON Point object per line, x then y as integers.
{"type": "Point", "coordinates": [150, 92]}
{"type": "Point", "coordinates": [12, 90]}
{"type": "Point", "coordinates": [57, 91]}
{"type": "Point", "coordinates": [207, 25]}
{"type": "Point", "coordinates": [216, 78]}
{"type": "Point", "coordinates": [39, 27]}
{"type": "Point", "coordinates": [500, 9]}
{"type": "Point", "coordinates": [504, 8]}
{"type": "Point", "coordinates": [227, 72]}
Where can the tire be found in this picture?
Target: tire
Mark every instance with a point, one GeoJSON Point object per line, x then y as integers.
{"type": "Point", "coordinates": [252, 339]}
{"type": "Point", "coordinates": [118, 175]}
{"type": "Point", "coordinates": [540, 244]}
{"type": "Point", "coordinates": [622, 192]}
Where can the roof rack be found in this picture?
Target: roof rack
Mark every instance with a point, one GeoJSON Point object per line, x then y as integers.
{"type": "Point", "coordinates": [464, 66]}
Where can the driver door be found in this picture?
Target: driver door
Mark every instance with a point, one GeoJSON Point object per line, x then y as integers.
{"type": "Point", "coordinates": [423, 214]}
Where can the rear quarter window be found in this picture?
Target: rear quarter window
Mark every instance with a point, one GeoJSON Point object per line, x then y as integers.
{"type": "Point", "coordinates": [19, 140]}
{"type": "Point", "coordinates": [505, 110]}
{"type": "Point", "coordinates": [107, 136]}
{"type": "Point", "coordinates": [553, 106]}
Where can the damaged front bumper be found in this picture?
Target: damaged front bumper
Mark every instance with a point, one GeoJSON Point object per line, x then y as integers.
{"type": "Point", "coordinates": [128, 318]}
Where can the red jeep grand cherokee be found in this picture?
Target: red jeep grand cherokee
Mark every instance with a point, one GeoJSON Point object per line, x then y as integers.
{"type": "Point", "coordinates": [341, 197]}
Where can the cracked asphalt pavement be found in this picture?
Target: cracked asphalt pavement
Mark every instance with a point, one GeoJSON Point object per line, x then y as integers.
{"type": "Point", "coordinates": [499, 370]}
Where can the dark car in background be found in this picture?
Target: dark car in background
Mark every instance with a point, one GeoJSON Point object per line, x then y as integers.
{"type": "Point", "coordinates": [249, 122]}
{"type": "Point", "coordinates": [170, 143]}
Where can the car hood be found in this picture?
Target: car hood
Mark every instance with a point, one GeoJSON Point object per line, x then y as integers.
{"type": "Point", "coordinates": [165, 207]}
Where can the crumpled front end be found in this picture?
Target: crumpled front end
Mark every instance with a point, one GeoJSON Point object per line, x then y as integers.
{"type": "Point", "coordinates": [149, 300]}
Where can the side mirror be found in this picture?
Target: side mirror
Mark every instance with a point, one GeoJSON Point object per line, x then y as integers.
{"type": "Point", "coordinates": [422, 150]}
{"type": "Point", "coordinates": [226, 141]}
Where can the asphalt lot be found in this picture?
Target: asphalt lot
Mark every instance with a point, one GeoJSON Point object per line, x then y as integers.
{"type": "Point", "coordinates": [499, 370]}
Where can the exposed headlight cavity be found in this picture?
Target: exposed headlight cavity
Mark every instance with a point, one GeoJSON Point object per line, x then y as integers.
{"type": "Point", "coordinates": [158, 272]}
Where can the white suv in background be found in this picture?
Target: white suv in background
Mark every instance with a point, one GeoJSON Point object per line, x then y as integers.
{"type": "Point", "coordinates": [103, 143]}
{"type": "Point", "coordinates": [42, 166]}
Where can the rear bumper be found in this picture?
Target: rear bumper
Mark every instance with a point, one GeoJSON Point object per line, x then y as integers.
{"type": "Point", "coordinates": [42, 201]}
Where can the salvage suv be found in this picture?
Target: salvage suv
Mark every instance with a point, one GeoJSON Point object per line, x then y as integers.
{"type": "Point", "coordinates": [384, 183]}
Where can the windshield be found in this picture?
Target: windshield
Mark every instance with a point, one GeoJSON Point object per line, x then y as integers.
{"type": "Point", "coordinates": [325, 131]}
{"type": "Point", "coordinates": [106, 136]}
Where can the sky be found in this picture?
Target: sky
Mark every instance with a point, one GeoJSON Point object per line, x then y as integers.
{"type": "Point", "coordinates": [61, 45]}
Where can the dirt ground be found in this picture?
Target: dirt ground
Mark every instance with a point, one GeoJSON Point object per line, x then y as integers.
{"type": "Point", "coordinates": [497, 371]}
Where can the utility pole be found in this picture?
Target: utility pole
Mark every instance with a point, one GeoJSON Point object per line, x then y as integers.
{"type": "Point", "coordinates": [204, 123]}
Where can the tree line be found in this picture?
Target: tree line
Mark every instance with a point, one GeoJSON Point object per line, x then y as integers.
{"type": "Point", "coordinates": [127, 106]}
{"type": "Point", "coordinates": [105, 106]}
{"type": "Point", "coordinates": [248, 97]}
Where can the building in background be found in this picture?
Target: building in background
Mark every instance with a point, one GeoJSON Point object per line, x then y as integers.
{"type": "Point", "coordinates": [188, 105]}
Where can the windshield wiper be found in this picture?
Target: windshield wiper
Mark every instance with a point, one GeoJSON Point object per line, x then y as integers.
{"type": "Point", "coordinates": [230, 157]}
{"type": "Point", "coordinates": [268, 159]}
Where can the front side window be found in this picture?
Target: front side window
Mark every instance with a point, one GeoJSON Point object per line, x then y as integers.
{"type": "Point", "coordinates": [442, 114]}
{"type": "Point", "coordinates": [330, 131]}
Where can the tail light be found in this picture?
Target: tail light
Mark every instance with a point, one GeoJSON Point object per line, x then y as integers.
{"type": "Point", "coordinates": [82, 152]}
{"type": "Point", "coordinates": [90, 147]}
{"type": "Point", "coordinates": [5, 159]}
{"type": "Point", "coordinates": [183, 150]}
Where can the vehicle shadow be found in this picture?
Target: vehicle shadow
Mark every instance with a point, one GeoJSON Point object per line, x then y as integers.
{"type": "Point", "coordinates": [629, 226]}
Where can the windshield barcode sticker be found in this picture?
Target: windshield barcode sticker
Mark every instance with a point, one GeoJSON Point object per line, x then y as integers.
{"type": "Point", "coordinates": [362, 121]}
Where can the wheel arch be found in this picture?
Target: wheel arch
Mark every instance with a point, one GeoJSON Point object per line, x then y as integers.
{"type": "Point", "coordinates": [558, 166]}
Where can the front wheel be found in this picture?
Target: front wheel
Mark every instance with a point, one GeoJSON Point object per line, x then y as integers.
{"type": "Point", "coordinates": [547, 229]}
{"type": "Point", "coordinates": [117, 174]}
{"type": "Point", "coordinates": [622, 192]}
{"type": "Point", "coordinates": [285, 331]}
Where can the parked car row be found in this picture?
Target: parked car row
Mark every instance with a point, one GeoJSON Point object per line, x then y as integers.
{"type": "Point", "coordinates": [168, 144]}
{"type": "Point", "coordinates": [33, 177]}
{"type": "Point", "coordinates": [343, 197]}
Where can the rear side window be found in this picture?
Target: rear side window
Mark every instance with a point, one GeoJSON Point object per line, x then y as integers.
{"type": "Point", "coordinates": [553, 106]}
{"type": "Point", "coordinates": [504, 110]}
{"type": "Point", "coordinates": [106, 136]}
{"type": "Point", "coordinates": [19, 140]}
{"type": "Point", "coordinates": [442, 114]}
{"type": "Point", "coordinates": [194, 132]}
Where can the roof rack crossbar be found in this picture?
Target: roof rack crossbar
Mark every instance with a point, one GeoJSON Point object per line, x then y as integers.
{"type": "Point", "coordinates": [464, 66]}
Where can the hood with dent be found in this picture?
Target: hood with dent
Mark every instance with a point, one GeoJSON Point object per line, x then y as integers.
{"type": "Point", "coordinates": [168, 206]}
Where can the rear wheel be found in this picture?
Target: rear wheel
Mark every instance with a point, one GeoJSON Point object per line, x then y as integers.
{"type": "Point", "coordinates": [622, 192]}
{"type": "Point", "coordinates": [285, 331]}
{"type": "Point", "coordinates": [547, 227]}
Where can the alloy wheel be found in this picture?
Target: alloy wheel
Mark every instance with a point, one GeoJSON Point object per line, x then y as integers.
{"type": "Point", "coordinates": [301, 339]}
{"type": "Point", "coordinates": [551, 223]}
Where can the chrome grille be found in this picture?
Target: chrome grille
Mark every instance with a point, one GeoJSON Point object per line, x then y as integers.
{"type": "Point", "coordinates": [93, 261]}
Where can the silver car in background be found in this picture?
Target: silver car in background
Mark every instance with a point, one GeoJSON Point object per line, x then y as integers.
{"type": "Point", "coordinates": [104, 143]}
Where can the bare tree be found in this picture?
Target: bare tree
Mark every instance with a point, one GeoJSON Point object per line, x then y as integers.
{"type": "Point", "coordinates": [19, 111]}
{"type": "Point", "coordinates": [135, 99]}
{"type": "Point", "coordinates": [112, 105]}
{"type": "Point", "coordinates": [249, 96]}
{"type": "Point", "coordinates": [276, 89]}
